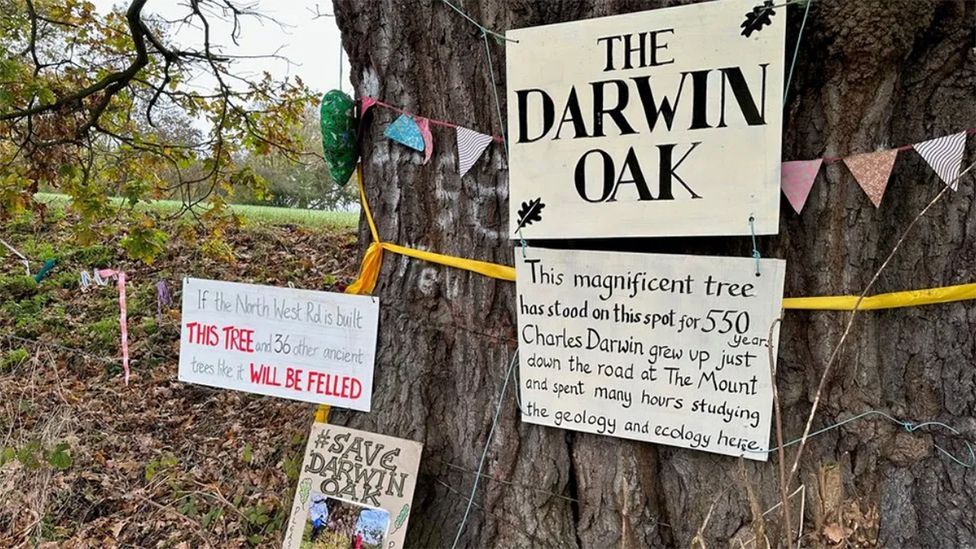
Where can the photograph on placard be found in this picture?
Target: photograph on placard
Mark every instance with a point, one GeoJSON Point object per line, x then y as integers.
{"type": "Point", "coordinates": [337, 524]}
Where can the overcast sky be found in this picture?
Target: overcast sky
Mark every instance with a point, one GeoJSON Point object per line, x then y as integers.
{"type": "Point", "coordinates": [311, 44]}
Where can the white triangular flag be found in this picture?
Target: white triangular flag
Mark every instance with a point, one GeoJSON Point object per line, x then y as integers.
{"type": "Point", "coordinates": [944, 154]}
{"type": "Point", "coordinates": [470, 145]}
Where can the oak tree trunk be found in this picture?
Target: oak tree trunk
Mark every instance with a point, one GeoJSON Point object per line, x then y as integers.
{"type": "Point", "coordinates": [870, 74]}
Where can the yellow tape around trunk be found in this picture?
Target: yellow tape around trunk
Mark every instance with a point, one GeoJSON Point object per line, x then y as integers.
{"type": "Point", "coordinates": [373, 260]}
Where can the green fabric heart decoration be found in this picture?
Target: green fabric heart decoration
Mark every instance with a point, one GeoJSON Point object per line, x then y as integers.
{"type": "Point", "coordinates": [337, 119]}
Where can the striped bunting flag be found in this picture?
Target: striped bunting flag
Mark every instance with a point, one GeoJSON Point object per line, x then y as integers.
{"type": "Point", "coordinates": [944, 154]}
{"type": "Point", "coordinates": [470, 145]}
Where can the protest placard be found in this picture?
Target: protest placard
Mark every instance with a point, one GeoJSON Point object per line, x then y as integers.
{"type": "Point", "coordinates": [284, 342]}
{"type": "Point", "coordinates": [355, 490]}
{"type": "Point", "coordinates": [671, 349]}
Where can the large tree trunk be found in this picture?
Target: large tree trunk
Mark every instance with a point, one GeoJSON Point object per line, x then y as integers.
{"type": "Point", "coordinates": [870, 74]}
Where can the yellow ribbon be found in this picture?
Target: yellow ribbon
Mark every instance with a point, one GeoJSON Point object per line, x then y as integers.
{"type": "Point", "coordinates": [370, 270]}
{"type": "Point", "coordinates": [893, 300]}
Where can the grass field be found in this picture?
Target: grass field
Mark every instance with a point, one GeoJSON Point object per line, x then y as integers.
{"type": "Point", "coordinates": [265, 215]}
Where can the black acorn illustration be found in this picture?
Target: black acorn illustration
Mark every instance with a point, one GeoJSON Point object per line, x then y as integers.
{"type": "Point", "coordinates": [759, 17]}
{"type": "Point", "coordinates": [530, 212]}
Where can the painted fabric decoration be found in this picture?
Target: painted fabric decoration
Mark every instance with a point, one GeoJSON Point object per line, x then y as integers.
{"type": "Point", "coordinates": [337, 119]}
{"type": "Point", "coordinates": [404, 130]}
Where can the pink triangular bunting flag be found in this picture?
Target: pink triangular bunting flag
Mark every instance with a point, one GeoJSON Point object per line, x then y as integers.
{"type": "Point", "coordinates": [944, 154]}
{"type": "Point", "coordinates": [470, 145]}
{"type": "Point", "coordinates": [872, 170]}
{"type": "Point", "coordinates": [424, 126]}
{"type": "Point", "coordinates": [797, 179]}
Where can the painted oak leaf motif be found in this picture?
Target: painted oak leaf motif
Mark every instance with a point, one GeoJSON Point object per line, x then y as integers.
{"type": "Point", "coordinates": [402, 517]}
{"type": "Point", "coordinates": [759, 17]}
{"type": "Point", "coordinates": [530, 212]}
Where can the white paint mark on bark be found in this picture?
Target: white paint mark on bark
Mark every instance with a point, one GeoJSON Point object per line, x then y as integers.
{"type": "Point", "coordinates": [427, 281]}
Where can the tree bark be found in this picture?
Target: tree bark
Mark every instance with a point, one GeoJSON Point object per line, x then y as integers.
{"type": "Point", "coordinates": [870, 75]}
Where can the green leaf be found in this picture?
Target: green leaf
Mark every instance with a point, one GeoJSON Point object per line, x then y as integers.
{"type": "Point", "coordinates": [27, 456]}
{"type": "Point", "coordinates": [7, 455]}
{"type": "Point", "coordinates": [60, 459]}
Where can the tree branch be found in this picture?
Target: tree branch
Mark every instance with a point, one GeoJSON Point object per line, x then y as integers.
{"type": "Point", "coordinates": [110, 84]}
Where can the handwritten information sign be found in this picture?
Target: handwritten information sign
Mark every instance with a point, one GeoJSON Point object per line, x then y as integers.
{"type": "Point", "coordinates": [669, 349]}
{"type": "Point", "coordinates": [298, 344]}
{"type": "Point", "coordinates": [355, 490]}
{"type": "Point", "coordinates": [667, 122]}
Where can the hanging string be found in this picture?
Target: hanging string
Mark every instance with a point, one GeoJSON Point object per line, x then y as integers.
{"type": "Point", "coordinates": [755, 248]}
{"type": "Point", "coordinates": [433, 121]}
{"type": "Point", "coordinates": [501, 480]}
{"type": "Point", "coordinates": [62, 348]}
{"type": "Point", "coordinates": [515, 524]}
{"type": "Point", "coordinates": [484, 453]}
{"type": "Point", "coordinates": [900, 148]}
{"type": "Point", "coordinates": [500, 139]}
{"type": "Point", "coordinates": [907, 425]}
{"type": "Point", "coordinates": [483, 28]}
{"type": "Point", "coordinates": [494, 92]}
{"type": "Point", "coordinates": [796, 49]}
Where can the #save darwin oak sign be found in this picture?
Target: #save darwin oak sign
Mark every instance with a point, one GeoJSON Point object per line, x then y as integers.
{"type": "Point", "coordinates": [660, 123]}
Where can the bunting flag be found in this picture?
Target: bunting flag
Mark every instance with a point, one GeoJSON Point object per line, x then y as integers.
{"type": "Point", "coordinates": [470, 145]}
{"type": "Point", "coordinates": [797, 179]}
{"type": "Point", "coordinates": [944, 154]}
{"type": "Point", "coordinates": [404, 130]}
{"type": "Point", "coordinates": [424, 126]}
{"type": "Point", "coordinates": [871, 170]}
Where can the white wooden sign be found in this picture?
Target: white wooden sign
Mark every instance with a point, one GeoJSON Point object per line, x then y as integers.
{"type": "Point", "coordinates": [671, 349]}
{"type": "Point", "coordinates": [284, 342]}
{"type": "Point", "coordinates": [659, 123]}
{"type": "Point", "coordinates": [355, 490]}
